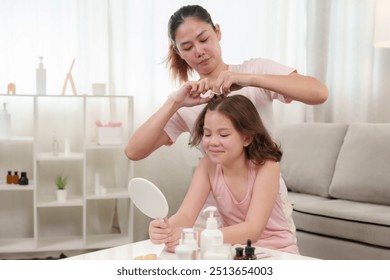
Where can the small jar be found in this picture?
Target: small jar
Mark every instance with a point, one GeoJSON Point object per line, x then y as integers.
{"type": "Point", "coordinates": [239, 253]}
{"type": "Point", "coordinates": [9, 178]}
{"type": "Point", "coordinates": [15, 178]}
{"type": "Point", "coordinates": [23, 179]}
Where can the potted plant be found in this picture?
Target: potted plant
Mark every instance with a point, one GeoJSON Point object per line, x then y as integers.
{"type": "Point", "coordinates": [61, 182]}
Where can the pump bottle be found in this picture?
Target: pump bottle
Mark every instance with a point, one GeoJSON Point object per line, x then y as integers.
{"type": "Point", "coordinates": [41, 78]}
{"type": "Point", "coordinates": [211, 239]}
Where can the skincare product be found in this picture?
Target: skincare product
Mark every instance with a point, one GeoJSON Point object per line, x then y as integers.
{"type": "Point", "coordinates": [41, 78]}
{"type": "Point", "coordinates": [211, 238]}
{"type": "Point", "coordinates": [239, 253]}
{"type": "Point", "coordinates": [5, 123]}
{"type": "Point", "coordinates": [23, 179]}
{"type": "Point", "coordinates": [249, 251]}
{"type": "Point", "coordinates": [9, 177]}
{"type": "Point", "coordinates": [55, 145]}
{"type": "Point", "coordinates": [15, 178]}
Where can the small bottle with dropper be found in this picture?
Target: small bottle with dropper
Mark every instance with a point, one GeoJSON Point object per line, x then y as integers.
{"type": "Point", "coordinates": [249, 251]}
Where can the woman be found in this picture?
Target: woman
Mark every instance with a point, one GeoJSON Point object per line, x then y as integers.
{"type": "Point", "coordinates": [194, 46]}
{"type": "Point", "coordinates": [242, 171]}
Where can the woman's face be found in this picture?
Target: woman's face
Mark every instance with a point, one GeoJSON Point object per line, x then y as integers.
{"type": "Point", "coordinates": [198, 44]}
{"type": "Point", "coordinates": [221, 141]}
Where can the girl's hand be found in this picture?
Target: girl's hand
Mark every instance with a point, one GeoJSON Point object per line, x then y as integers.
{"type": "Point", "coordinates": [159, 231]}
{"type": "Point", "coordinates": [230, 81]}
{"type": "Point", "coordinates": [190, 93]}
{"type": "Point", "coordinates": [174, 240]}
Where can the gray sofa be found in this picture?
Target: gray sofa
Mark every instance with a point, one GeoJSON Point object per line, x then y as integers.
{"type": "Point", "coordinates": [338, 177]}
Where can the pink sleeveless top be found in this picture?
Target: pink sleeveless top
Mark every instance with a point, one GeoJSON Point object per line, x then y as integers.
{"type": "Point", "coordinates": [277, 234]}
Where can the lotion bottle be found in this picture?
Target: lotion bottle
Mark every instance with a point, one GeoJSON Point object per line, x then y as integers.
{"type": "Point", "coordinates": [211, 238]}
{"type": "Point", "coordinates": [41, 78]}
{"type": "Point", "coordinates": [5, 123]}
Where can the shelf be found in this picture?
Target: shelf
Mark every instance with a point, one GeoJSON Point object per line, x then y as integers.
{"type": "Point", "coordinates": [60, 243]}
{"type": "Point", "coordinates": [106, 240]}
{"type": "Point", "coordinates": [31, 217]}
{"type": "Point", "coordinates": [21, 139]}
{"type": "Point", "coordinates": [110, 194]}
{"type": "Point", "coordinates": [4, 187]}
{"type": "Point", "coordinates": [61, 156]}
{"type": "Point", "coordinates": [51, 201]}
{"type": "Point", "coordinates": [95, 146]}
{"type": "Point", "coordinates": [15, 245]}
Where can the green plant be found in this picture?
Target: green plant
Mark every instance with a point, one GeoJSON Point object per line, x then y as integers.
{"type": "Point", "coordinates": [61, 182]}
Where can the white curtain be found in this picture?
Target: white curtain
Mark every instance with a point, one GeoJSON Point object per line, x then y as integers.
{"type": "Point", "coordinates": [123, 43]}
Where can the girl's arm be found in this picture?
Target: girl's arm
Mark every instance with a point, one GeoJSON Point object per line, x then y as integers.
{"type": "Point", "coordinates": [189, 210]}
{"type": "Point", "coordinates": [294, 86]}
{"type": "Point", "coordinates": [265, 191]}
{"type": "Point", "coordinates": [151, 135]}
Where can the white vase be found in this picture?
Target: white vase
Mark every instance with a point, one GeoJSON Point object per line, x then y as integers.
{"type": "Point", "coordinates": [61, 194]}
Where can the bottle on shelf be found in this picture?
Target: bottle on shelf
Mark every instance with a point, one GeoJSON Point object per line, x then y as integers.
{"type": "Point", "coordinates": [23, 179]}
{"type": "Point", "coordinates": [15, 178]}
{"type": "Point", "coordinates": [41, 78]}
{"type": "Point", "coordinates": [9, 178]}
{"type": "Point", "coordinates": [55, 144]}
{"type": "Point", "coordinates": [5, 123]}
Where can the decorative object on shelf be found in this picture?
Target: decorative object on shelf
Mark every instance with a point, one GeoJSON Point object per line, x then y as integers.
{"type": "Point", "coordinates": [110, 133]}
{"type": "Point", "coordinates": [54, 144]}
{"type": "Point", "coordinates": [5, 123]}
{"type": "Point", "coordinates": [67, 146]}
{"type": "Point", "coordinates": [11, 88]}
{"type": "Point", "coordinates": [15, 178]}
{"type": "Point", "coordinates": [40, 74]}
{"type": "Point", "coordinates": [61, 190]}
{"type": "Point", "coordinates": [70, 79]}
{"type": "Point", "coordinates": [99, 89]}
{"type": "Point", "coordinates": [9, 178]}
{"type": "Point", "coordinates": [99, 189]}
{"type": "Point", "coordinates": [23, 179]}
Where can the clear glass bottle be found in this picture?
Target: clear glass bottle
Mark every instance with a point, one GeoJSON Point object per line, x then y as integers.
{"type": "Point", "coordinates": [55, 144]}
{"type": "Point", "coordinates": [9, 178]}
{"type": "Point", "coordinates": [23, 179]}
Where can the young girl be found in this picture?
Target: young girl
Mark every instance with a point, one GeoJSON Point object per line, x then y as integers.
{"type": "Point", "coordinates": [241, 169]}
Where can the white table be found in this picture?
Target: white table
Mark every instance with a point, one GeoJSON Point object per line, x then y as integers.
{"type": "Point", "coordinates": [141, 248]}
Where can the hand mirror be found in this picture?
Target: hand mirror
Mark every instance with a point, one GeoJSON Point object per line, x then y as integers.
{"type": "Point", "coordinates": [148, 198]}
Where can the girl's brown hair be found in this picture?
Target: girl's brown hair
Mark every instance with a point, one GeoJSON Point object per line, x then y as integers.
{"type": "Point", "coordinates": [246, 120]}
{"type": "Point", "coordinates": [179, 68]}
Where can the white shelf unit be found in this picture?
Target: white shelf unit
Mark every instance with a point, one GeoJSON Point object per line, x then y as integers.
{"type": "Point", "coordinates": [31, 218]}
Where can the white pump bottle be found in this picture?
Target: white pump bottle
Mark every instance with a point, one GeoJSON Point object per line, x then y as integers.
{"type": "Point", "coordinates": [210, 238]}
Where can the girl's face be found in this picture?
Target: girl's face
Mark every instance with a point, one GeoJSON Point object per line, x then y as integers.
{"type": "Point", "coordinates": [198, 44]}
{"type": "Point", "coordinates": [221, 141]}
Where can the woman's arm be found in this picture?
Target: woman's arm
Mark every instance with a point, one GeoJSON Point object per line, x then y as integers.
{"type": "Point", "coordinates": [265, 191]}
{"type": "Point", "coordinates": [151, 135]}
{"type": "Point", "coordinates": [294, 86]}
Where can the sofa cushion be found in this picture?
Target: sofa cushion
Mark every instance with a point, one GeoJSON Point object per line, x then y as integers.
{"type": "Point", "coordinates": [355, 221]}
{"type": "Point", "coordinates": [309, 155]}
{"type": "Point", "coordinates": [363, 166]}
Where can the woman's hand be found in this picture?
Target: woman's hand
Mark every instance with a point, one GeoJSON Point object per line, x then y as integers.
{"type": "Point", "coordinates": [191, 93]}
{"type": "Point", "coordinates": [228, 81]}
